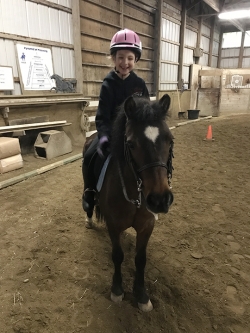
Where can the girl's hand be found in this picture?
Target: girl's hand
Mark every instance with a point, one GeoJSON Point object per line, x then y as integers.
{"type": "Point", "coordinates": [103, 146]}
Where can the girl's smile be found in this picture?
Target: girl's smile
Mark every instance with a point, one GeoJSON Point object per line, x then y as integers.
{"type": "Point", "coordinates": [124, 61]}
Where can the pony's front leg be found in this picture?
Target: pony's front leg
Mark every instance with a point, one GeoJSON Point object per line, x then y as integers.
{"type": "Point", "coordinates": [139, 291]}
{"type": "Point", "coordinates": [117, 292]}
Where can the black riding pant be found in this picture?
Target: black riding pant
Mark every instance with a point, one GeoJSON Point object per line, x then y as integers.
{"type": "Point", "coordinates": [92, 165]}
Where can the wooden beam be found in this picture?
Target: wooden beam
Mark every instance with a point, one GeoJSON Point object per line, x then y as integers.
{"type": "Point", "coordinates": [210, 72]}
{"type": "Point", "coordinates": [198, 42]}
{"type": "Point", "coordinates": [9, 129]}
{"type": "Point", "coordinates": [77, 45]}
{"type": "Point", "coordinates": [157, 45]}
{"type": "Point", "coordinates": [211, 43]}
{"type": "Point", "coordinates": [182, 45]}
{"type": "Point", "coordinates": [121, 14]}
{"type": "Point", "coordinates": [220, 49]}
{"type": "Point", "coordinates": [238, 25]}
{"type": "Point", "coordinates": [35, 40]}
{"type": "Point", "coordinates": [193, 4]}
{"type": "Point", "coordinates": [52, 5]}
{"type": "Point", "coordinates": [215, 4]}
{"type": "Point", "coordinates": [241, 50]}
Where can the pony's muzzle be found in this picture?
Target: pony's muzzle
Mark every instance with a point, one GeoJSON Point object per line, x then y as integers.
{"type": "Point", "coordinates": [159, 203]}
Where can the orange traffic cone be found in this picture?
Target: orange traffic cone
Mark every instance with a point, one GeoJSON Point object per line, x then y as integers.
{"type": "Point", "coordinates": [209, 133]}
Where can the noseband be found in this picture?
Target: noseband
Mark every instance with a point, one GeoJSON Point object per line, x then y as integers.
{"type": "Point", "coordinates": [130, 161]}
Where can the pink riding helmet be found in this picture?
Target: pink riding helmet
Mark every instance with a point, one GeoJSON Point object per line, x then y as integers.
{"type": "Point", "coordinates": [126, 39]}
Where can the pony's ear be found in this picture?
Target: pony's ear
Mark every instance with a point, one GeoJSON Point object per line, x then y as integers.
{"type": "Point", "coordinates": [129, 107]}
{"type": "Point", "coordinates": [165, 102]}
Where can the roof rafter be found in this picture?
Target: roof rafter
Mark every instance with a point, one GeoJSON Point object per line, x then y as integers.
{"type": "Point", "coordinates": [215, 4]}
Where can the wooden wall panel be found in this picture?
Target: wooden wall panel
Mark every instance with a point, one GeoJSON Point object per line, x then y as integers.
{"type": "Point", "coordinates": [95, 43]}
{"type": "Point", "coordinates": [94, 73]}
{"type": "Point", "coordinates": [93, 11]}
{"type": "Point", "coordinates": [234, 102]}
{"type": "Point", "coordinates": [112, 4]}
{"type": "Point", "coordinates": [139, 15]}
{"type": "Point", "coordinates": [140, 27]}
{"type": "Point", "coordinates": [96, 59]}
{"type": "Point", "coordinates": [97, 29]}
{"type": "Point", "coordinates": [99, 21]}
{"type": "Point", "coordinates": [208, 102]}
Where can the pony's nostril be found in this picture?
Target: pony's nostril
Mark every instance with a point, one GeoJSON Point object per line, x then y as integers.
{"type": "Point", "coordinates": [152, 200]}
{"type": "Point", "coordinates": [160, 203]}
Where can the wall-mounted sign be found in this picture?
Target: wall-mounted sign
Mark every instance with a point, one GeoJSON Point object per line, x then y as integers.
{"type": "Point", "coordinates": [6, 78]}
{"type": "Point", "coordinates": [237, 81]}
{"type": "Point", "coordinates": [36, 67]}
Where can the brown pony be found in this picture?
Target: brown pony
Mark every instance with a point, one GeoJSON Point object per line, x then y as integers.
{"type": "Point", "coordinates": [137, 184]}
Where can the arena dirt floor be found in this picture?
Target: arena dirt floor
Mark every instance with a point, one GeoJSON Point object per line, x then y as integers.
{"type": "Point", "coordinates": [55, 274]}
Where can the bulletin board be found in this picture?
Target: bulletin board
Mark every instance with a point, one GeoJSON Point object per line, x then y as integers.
{"type": "Point", "coordinates": [6, 78]}
{"type": "Point", "coordinates": [35, 67]}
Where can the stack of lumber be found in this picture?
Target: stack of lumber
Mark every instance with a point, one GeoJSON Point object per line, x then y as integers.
{"type": "Point", "coordinates": [10, 154]}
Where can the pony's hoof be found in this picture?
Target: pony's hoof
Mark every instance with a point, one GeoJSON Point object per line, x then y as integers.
{"type": "Point", "coordinates": [89, 225]}
{"type": "Point", "coordinates": [116, 299]}
{"type": "Point", "coordinates": [145, 307]}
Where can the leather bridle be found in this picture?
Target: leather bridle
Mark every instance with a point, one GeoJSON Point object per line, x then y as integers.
{"type": "Point", "coordinates": [130, 162]}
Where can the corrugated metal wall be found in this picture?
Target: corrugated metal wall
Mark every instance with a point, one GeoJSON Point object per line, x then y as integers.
{"type": "Point", "coordinates": [170, 43]}
{"type": "Point", "coordinates": [100, 20]}
{"type": "Point", "coordinates": [246, 58]}
{"type": "Point", "coordinates": [25, 21]}
{"type": "Point", "coordinates": [230, 57]}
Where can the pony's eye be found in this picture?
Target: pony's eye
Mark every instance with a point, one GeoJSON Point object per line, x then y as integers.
{"type": "Point", "coordinates": [130, 144]}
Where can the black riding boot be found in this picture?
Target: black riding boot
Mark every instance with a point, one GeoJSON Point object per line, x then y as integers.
{"type": "Point", "coordinates": [88, 197]}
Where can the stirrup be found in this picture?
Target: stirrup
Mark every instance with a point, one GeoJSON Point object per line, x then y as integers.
{"type": "Point", "coordinates": [89, 190]}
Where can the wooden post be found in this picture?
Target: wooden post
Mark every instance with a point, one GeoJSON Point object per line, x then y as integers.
{"type": "Point", "coordinates": [198, 43]}
{"type": "Point", "coordinates": [121, 15]}
{"type": "Point", "coordinates": [181, 48]}
{"type": "Point", "coordinates": [220, 49]}
{"type": "Point", "coordinates": [77, 45]}
{"type": "Point", "coordinates": [241, 49]}
{"type": "Point", "coordinates": [157, 53]}
{"type": "Point", "coordinates": [211, 44]}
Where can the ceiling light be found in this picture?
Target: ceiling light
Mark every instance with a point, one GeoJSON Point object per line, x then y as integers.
{"type": "Point", "coordinates": [234, 14]}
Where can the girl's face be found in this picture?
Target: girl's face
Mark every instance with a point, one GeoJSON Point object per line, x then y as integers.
{"type": "Point", "coordinates": [124, 61]}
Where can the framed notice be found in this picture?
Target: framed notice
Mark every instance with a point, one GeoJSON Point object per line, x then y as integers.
{"type": "Point", "coordinates": [36, 67]}
{"type": "Point", "coordinates": [6, 78]}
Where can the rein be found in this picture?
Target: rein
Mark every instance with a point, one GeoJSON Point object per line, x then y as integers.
{"type": "Point", "coordinates": [129, 160]}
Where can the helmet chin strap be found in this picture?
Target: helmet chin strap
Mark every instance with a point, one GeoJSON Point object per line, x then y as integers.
{"type": "Point", "coordinates": [123, 76]}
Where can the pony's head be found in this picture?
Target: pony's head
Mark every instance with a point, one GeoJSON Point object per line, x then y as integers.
{"type": "Point", "coordinates": [142, 140]}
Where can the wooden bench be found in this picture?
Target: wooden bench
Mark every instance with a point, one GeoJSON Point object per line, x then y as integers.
{"type": "Point", "coordinates": [19, 126]}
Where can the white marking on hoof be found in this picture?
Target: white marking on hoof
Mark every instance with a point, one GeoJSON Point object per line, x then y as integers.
{"type": "Point", "coordinates": [152, 133]}
{"type": "Point", "coordinates": [145, 307]}
{"type": "Point", "coordinates": [89, 223]}
{"type": "Point", "coordinates": [116, 299]}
